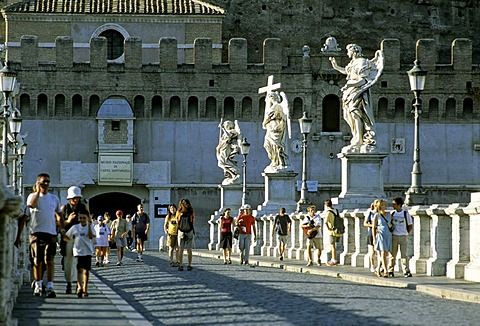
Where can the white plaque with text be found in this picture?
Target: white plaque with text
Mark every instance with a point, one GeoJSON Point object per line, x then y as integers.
{"type": "Point", "coordinates": [115, 169]}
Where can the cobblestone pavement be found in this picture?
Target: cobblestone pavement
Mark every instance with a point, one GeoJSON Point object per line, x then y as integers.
{"type": "Point", "coordinates": [214, 293]}
{"type": "Point", "coordinates": [153, 293]}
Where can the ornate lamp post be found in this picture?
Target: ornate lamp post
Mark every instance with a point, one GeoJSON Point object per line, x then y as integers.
{"type": "Point", "coordinates": [416, 194]}
{"type": "Point", "coordinates": [244, 149]}
{"type": "Point", "coordinates": [305, 127]}
{"type": "Point", "coordinates": [15, 127]}
{"type": "Point", "coordinates": [8, 78]}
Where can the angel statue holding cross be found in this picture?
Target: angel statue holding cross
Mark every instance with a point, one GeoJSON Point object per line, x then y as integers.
{"type": "Point", "coordinates": [276, 122]}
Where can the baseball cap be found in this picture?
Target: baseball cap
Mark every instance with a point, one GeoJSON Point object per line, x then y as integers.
{"type": "Point", "coordinates": [119, 212]}
{"type": "Point", "coordinates": [246, 206]}
{"type": "Point", "coordinates": [100, 218]}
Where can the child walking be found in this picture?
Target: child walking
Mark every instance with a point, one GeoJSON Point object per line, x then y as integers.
{"type": "Point", "coordinates": [102, 231]}
{"type": "Point", "coordinates": [83, 235]}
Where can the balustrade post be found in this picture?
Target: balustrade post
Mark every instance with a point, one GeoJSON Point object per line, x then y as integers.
{"type": "Point", "coordinates": [441, 241]}
{"type": "Point", "coordinates": [460, 241]}
{"type": "Point", "coordinates": [421, 239]}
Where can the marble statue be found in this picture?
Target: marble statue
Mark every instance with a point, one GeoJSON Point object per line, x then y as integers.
{"type": "Point", "coordinates": [330, 45]}
{"type": "Point", "coordinates": [228, 147]}
{"type": "Point", "coordinates": [276, 122]}
{"type": "Point", "coordinates": [362, 74]}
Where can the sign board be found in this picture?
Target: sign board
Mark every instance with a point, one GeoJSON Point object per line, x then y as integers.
{"type": "Point", "coordinates": [115, 169]}
{"type": "Point", "coordinates": [161, 211]}
{"type": "Point", "coordinates": [312, 186]}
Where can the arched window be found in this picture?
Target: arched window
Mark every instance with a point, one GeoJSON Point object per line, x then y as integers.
{"type": "Point", "coordinates": [433, 107]}
{"type": "Point", "coordinates": [175, 107]}
{"type": "Point", "coordinates": [192, 108]}
{"type": "Point", "coordinates": [467, 108]}
{"type": "Point", "coordinates": [139, 106]}
{"type": "Point", "coordinates": [229, 108]}
{"type": "Point", "coordinates": [77, 105]}
{"type": "Point", "coordinates": [115, 41]}
{"type": "Point", "coordinates": [297, 111]}
{"type": "Point", "coordinates": [25, 106]}
{"type": "Point", "coordinates": [450, 108]}
{"type": "Point", "coordinates": [382, 108]}
{"type": "Point", "coordinates": [247, 108]}
{"type": "Point", "coordinates": [157, 103]}
{"type": "Point", "coordinates": [42, 105]}
{"type": "Point", "coordinates": [261, 107]}
{"type": "Point", "coordinates": [399, 109]}
{"type": "Point", "coordinates": [60, 105]}
{"type": "Point", "coordinates": [331, 113]}
{"type": "Point", "coordinates": [93, 105]}
{"type": "Point", "coordinates": [211, 108]}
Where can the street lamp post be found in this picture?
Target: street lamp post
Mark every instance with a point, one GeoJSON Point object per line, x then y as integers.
{"type": "Point", "coordinates": [8, 78]}
{"type": "Point", "coordinates": [416, 194]}
{"type": "Point", "coordinates": [15, 124]}
{"type": "Point", "coordinates": [244, 149]}
{"type": "Point", "coordinates": [305, 126]}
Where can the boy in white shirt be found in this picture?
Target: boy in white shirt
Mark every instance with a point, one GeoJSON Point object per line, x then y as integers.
{"type": "Point", "coordinates": [83, 235]}
{"type": "Point", "coordinates": [403, 223]}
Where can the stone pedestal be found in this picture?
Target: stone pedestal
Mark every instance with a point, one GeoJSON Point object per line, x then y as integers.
{"type": "Point", "coordinates": [230, 197]}
{"type": "Point", "coordinates": [362, 180]}
{"type": "Point", "coordinates": [279, 192]}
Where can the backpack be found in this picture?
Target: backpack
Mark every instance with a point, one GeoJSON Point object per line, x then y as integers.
{"type": "Point", "coordinates": [338, 226]}
{"type": "Point", "coordinates": [184, 225]}
{"type": "Point", "coordinates": [409, 227]}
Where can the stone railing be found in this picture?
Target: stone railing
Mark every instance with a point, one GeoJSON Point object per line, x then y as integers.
{"type": "Point", "coordinates": [12, 260]}
{"type": "Point", "coordinates": [442, 242]}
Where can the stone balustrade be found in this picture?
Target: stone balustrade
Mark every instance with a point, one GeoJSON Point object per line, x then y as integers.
{"type": "Point", "coordinates": [442, 242]}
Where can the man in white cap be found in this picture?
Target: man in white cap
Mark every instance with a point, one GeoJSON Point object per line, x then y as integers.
{"type": "Point", "coordinates": [246, 223]}
{"type": "Point", "coordinates": [70, 214]}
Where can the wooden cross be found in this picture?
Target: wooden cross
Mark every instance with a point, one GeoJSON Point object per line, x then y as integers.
{"type": "Point", "coordinates": [270, 86]}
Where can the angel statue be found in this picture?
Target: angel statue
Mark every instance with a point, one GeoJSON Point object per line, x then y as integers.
{"type": "Point", "coordinates": [227, 148]}
{"type": "Point", "coordinates": [276, 122]}
{"type": "Point", "coordinates": [356, 100]}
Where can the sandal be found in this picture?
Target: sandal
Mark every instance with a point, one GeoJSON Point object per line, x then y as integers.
{"type": "Point", "coordinates": [79, 293]}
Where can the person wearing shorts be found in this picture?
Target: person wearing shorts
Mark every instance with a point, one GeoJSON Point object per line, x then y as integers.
{"type": "Point", "coordinates": [140, 225]}
{"type": "Point", "coordinates": [119, 233]}
{"type": "Point", "coordinates": [313, 222]}
{"type": "Point", "coordinates": [45, 212]}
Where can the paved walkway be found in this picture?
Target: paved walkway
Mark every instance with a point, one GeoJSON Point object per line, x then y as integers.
{"type": "Point", "coordinates": [106, 307]}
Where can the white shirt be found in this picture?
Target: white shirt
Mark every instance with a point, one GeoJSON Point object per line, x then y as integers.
{"type": "Point", "coordinates": [43, 216]}
{"type": "Point", "coordinates": [317, 221]}
{"type": "Point", "coordinates": [83, 245]}
{"type": "Point", "coordinates": [398, 219]}
{"type": "Point", "coordinates": [101, 235]}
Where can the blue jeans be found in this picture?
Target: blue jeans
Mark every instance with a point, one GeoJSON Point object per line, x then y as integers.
{"type": "Point", "coordinates": [244, 246]}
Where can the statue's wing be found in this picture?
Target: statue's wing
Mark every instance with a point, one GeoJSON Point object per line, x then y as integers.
{"type": "Point", "coordinates": [376, 65]}
{"type": "Point", "coordinates": [286, 112]}
{"type": "Point", "coordinates": [239, 133]}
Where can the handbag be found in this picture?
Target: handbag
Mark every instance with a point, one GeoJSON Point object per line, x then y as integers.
{"type": "Point", "coordinates": [236, 232]}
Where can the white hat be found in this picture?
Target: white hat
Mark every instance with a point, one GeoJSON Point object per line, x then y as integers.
{"type": "Point", "coordinates": [74, 192]}
{"type": "Point", "coordinates": [246, 206]}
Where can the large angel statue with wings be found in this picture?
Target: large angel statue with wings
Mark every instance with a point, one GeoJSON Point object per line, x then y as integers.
{"type": "Point", "coordinates": [228, 147]}
{"type": "Point", "coordinates": [362, 74]}
{"type": "Point", "coordinates": [277, 124]}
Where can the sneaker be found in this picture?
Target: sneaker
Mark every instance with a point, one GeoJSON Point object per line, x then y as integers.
{"type": "Point", "coordinates": [390, 274]}
{"type": "Point", "coordinates": [229, 261]}
{"type": "Point", "coordinates": [408, 274]}
{"type": "Point", "coordinates": [97, 264]}
{"type": "Point", "coordinates": [331, 263]}
{"type": "Point", "coordinates": [310, 263]}
{"type": "Point", "coordinates": [172, 264]}
{"type": "Point", "coordinates": [106, 261]}
{"type": "Point", "coordinates": [180, 268]}
{"type": "Point", "coordinates": [140, 260]}
{"type": "Point", "coordinates": [51, 293]}
{"type": "Point", "coordinates": [225, 262]}
{"type": "Point", "coordinates": [189, 268]}
{"type": "Point", "coordinates": [119, 263]}
{"type": "Point", "coordinates": [319, 263]}
{"type": "Point", "coordinates": [373, 270]}
{"type": "Point", "coordinates": [37, 291]}
{"type": "Point", "coordinates": [69, 288]}
{"type": "Point", "coordinates": [281, 258]}
{"type": "Point", "coordinates": [246, 262]}
{"type": "Point", "coordinates": [134, 250]}
{"type": "Point", "coordinates": [79, 293]}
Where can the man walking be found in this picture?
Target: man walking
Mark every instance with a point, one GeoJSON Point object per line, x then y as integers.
{"type": "Point", "coordinates": [140, 225]}
{"type": "Point", "coordinates": [402, 221]}
{"type": "Point", "coordinates": [45, 211]}
{"type": "Point", "coordinates": [334, 236]}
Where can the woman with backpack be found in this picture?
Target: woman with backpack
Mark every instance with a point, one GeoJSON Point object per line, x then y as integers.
{"type": "Point", "coordinates": [185, 220]}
